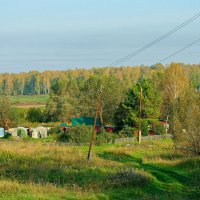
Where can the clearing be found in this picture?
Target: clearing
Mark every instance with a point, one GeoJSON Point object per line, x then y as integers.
{"type": "Point", "coordinates": [29, 101]}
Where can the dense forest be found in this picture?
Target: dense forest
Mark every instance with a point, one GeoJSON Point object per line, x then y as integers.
{"type": "Point", "coordinates": [35, 82]}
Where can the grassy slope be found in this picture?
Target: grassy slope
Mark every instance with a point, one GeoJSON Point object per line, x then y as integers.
{"type": "Point", "coordinates": [37, 170]}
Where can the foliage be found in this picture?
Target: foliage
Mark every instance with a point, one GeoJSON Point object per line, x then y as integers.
{"type": "Point", "coordinates": [74, 92]}
{"type": "Point", "coordinates": [159, 129]}
{"type": "Point", "coordinates": [59, 134]}
{"type": "Point", "coordinates": [35, 115]}
{"type": "Point", "coordinates": [80, 134]}
{"type": "Point", "coordinates": [187, 121]}
{"type": "Point", "coordinates": [63, 100]}
{"type": "Point", "coordinates": [8, 117]}
{"type": "Point", "coordinates": [103, 137]}
{"type": "Point", "coordinates": [36, 124]}
{"type": "Point", "coordinates": [127, 112]}
{"type": "Point", "coordinates": [109, 92]}
{"type": "Point", "coordinates": [54, 130]}
{"type": "Point", "coordinates": [68, 98]}
{"type": "Point", "coordinates": [126, 131]}
{"type": "Point", "coordinates": [35, 82]}
{"type": "Point", "coordinates": [175, 81]}
{"type": "Point", "coordinates": [144, 127]}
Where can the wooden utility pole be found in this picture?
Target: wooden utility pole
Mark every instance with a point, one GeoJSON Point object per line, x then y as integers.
{"type": "Point", "coordinates": [97, 113]}
{"type": "Point", "coordinates": [92, 136]}
{"type": "Point", "coordinates": [140, 111]}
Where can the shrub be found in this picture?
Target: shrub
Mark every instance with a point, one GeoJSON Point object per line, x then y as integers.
{"type": "Point", "coordinates": [151, 121]}
{"type": "Point", "coordinates": [127, 131]}
{"type": "Point", "coordinates": [60, 135]}
{"type": "Point", "coordinates": [103, 137]}
{"type": "Point", "coordinates": [34, 115]}
{"type": "Point", "coordinates": [80, 134]}
{"type": "Point", "coordinates": [54, 130]}
{"type": "Point", "coordinates": [159, 129]}
{"type": "Point", "coordinates": [64, 136]}
{"type": "Point", "coordinates": [144, 127]}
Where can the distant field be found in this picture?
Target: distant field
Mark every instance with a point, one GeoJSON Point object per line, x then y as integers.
{"type": "Point", "coordinates": [28, 101]}
{"type": "Point", "coordinates": [150, 171]}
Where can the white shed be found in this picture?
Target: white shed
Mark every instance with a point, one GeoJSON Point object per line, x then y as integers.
{"type": "Point", "coordinates": [39, 132]}
{"type": "Point", "coordinates": [22, 132]}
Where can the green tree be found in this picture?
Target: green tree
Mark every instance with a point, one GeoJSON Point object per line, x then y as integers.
{"type": "Point", "coordinates": [187, 121]}
{"type": "Point", "coordinates": [127, 112]}
{"type": "Point", "coordinates": [7, 115]}
{"type": "Point", "coordinates": [107, 89]}
{"type": "Point", "coordinates": [63, 100]}
{"type": "Point", "coordinates": [144, 127]}
{"type": "Point", "coordinates": [81, 134]}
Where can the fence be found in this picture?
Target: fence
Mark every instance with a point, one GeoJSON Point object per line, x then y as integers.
{"type": "Point", "coordinates": [145, 138]}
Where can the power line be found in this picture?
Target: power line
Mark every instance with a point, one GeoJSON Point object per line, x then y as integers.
{"type": "Point", "coordinates": [155, 41]}
{"type": "Point", "coordinates": [180, 50]}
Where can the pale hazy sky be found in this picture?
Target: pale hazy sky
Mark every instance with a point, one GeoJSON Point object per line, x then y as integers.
{"type": "Point", "coordinates": [63, 34]}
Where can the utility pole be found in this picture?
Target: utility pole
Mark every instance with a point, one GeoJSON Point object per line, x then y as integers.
{"type": "Point", "coordinates": [97, 113]}
{"type": "Point", "coordinates": [100, 106]}
{"type": "Point", "coordinates": [140, 111]}
{"type": "Point", "coordinates": [92, 136]}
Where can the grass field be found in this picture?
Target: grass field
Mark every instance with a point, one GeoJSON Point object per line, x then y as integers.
{"type": "Point", "coordinates": [27, 101]}
{"type": "Point", "coordinates": [44, 170]}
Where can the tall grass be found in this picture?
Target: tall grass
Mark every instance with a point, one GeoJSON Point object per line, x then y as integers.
{"type": "Point", "coordinates": [41, 170]}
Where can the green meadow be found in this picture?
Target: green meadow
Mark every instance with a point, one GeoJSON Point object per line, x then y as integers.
{"type": "Point", "coordinates": [32, 170]}
{"type": "Point", "coordinates": [28, 100]}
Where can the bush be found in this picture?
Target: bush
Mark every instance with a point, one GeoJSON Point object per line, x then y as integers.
{"type": "Point", "coordinates": [103, 137]}
{"type": "Point", "coordinates": [81, 134]}
{"type": "Point", "coordinates": [65, 137]}
{"type": "Point", "coordinates": [159, 129]}
{"type": "Point", "coordinates": [60, 135]}
{"type": "Point", "coordinates": [54, 130]}
{"type": "Point", "coordinates": [127, 131]}
{"type": "Point", "coordinates": [34, 115]}
{"type": "Point", "coordinates": [144, 127]}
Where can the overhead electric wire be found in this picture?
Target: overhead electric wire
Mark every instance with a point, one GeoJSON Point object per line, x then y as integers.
{"type": "Point", "coordinates": [180, 50]}
{"type": "Point", "coordinates": [155, 41]}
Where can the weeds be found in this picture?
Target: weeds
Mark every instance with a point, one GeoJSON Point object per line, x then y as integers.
{"type": "Point", "coordinates": [128, 178]}
{"type": "Point", "coordinates": [47, 170]}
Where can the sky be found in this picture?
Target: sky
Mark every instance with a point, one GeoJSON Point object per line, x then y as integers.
{"type": "Point", "coordinates": [67, 34]}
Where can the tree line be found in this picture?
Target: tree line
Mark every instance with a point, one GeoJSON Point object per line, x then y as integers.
{"type": "Point", "coordinates": [35, 82]}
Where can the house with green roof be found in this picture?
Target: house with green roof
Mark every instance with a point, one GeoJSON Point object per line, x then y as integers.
{"type": "Point", "coordinates": [85, 120]}
{"type": "Point", "coordinates": [88, 121]}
